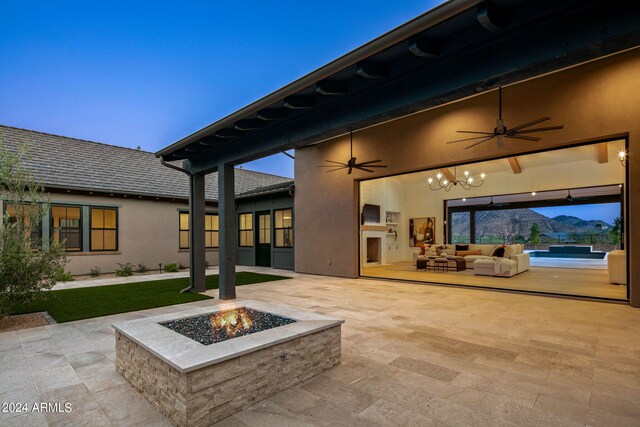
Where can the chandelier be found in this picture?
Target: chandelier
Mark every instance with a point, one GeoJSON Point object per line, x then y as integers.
{"type": "Point", "coordinates": [441, 181]}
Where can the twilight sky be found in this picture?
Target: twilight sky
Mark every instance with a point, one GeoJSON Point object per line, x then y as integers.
{"type": "Point", "coordinates": [148, 73]}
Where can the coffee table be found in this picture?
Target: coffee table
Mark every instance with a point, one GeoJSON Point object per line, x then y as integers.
{"type": "Point", "coordinates": [442, 264]}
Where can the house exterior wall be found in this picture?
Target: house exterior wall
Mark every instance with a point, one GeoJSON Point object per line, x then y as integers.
{"type": "Point", "coordinates": [280, 257]}
{"type": "Point", "coordinates": [147, 232]}
{"type": "Point", "coordinates": [596, 100]}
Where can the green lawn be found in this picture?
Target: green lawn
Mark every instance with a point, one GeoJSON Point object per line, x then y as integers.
{"type": "Point", "coordinates": [83, 303]}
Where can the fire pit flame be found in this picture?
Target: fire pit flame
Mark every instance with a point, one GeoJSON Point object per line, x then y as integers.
{"type": "Point", "coordinates": [232, 322]}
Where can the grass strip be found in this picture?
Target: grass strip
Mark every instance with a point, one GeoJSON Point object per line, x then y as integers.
{"type": "Point", "coordinates": [67, 305]}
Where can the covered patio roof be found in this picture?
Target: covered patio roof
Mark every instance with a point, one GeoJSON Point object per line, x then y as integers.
{"type": "Point", "coordinates": [458, 49]}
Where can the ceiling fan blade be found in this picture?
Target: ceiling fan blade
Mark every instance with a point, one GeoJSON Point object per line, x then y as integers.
{"type": "Point", "coordinates": [336, 169]}
{"type": "Point", "coordinates": [479, 142]}
{"type": "Point", "coordinates": [363, 169]}
{"type": "Point", "coordinates": [526, 138]}
{"type": "Point", "coordinates": [531, 123]}
{"type": "Point", "coordinates": [350, 170]}
{"type": "Point", "coordinates": [332, 166]}
{"type": "Point", "coordinates": [372, 166]}
{"type": "Point", "coordinates": [369, 161]}
{"type": "Point", "coordinates": [337, 163]}
{"type": "Point", "coordinates": [538, 129]}
{"type": "Point", "coordinates": [472, 131]}
{"type": "Point", "coordinates": [470, 139]}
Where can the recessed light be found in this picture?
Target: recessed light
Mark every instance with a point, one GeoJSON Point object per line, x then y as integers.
{"type": "Point", "coordinates": [533, 193]}
{"type": "Point", "coordinates": [464, 200]}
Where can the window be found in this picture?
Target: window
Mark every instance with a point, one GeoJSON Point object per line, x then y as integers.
{"type": "Point", "coordinates": [104, 229]}
{"type": "Point", "coordinates": [284, 228]}
{"type": "Point", "coordinates": [246, 229]}
{"type": "Point", "coordinates": [264, 228]}
{"type": "Point", "coordinates": [211, 228]}
{"type": "Point", "coordinates": [184, 231]}
{"type": "Point", "coordinates": [67, 227]}
{"type": "Point", "coordinates": [211, 231]}
{"type": "Point", "coordinates": [26, 213]}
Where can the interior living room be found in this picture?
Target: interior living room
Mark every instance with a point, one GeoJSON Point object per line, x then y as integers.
{"type": "Point", "coordinates": [548, 222]}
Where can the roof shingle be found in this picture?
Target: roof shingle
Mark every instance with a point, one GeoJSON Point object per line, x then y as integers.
{"type": "Point", "coordinates": [70, 163]}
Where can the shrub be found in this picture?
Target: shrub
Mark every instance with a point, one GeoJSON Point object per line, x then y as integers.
{"type": "Point", "coordinates": [63, 276]}
{"type": "Point", "coordinates": [181, 266]}
{"type": "Point", "coordinates": [95, 272]}
{"type": "Point", "coordinates": [142, 268]}
{"type": "Point", "coordinates": [124, 270]}
{"type": "Point", "coordinates": [25, 269]}
{"type": "Point", "coordinates": [171, 268]}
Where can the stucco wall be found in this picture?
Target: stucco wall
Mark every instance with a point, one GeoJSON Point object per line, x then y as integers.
{"type": "Point", "coordinates": [147, 232]}
{"type": "Point", "coordinates": [595, 100]}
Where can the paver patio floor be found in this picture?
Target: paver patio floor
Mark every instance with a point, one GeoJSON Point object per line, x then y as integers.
{"type": "Point", "coordinates": [412, 355]}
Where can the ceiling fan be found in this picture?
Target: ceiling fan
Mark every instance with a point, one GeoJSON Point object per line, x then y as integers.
{"type": "Point", "coordinates": [492, 204]}
{"type": "Point", "coordinates": [352, 163]}
{"type": "Point", "coordinates": [501, 131]}
{"type": "Point", "coordinates": [570, 198]}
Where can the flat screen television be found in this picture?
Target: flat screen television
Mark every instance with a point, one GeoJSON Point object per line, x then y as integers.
{"type": "Point", "coordinates": [370, 213]}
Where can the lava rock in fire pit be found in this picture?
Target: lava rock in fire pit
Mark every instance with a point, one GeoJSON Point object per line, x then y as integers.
{"type": "Point", "coordinates": [223, 325]}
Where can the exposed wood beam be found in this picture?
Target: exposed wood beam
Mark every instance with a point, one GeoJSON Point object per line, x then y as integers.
{"type": "Point", "coordinates": [515, 165]}
{"type": "Point", "coordinates": [419, 46]}
{"type": "Point", "coordinates": [490, 19]}
{"type": "Point", "coordinates": [331, 87]}
{"type": "Point", "coordinates": [299, 102]}
{"type": "Point", "coordinates": [272, 114]}
{"type": "Point", "coordinates": [210, 140]}
{"type": "Point", "coordinates": [603, 153]}
{"type": "Point", "coordinates": [249, 124]}
{"type": "Point", "coordinates": [228, 133]}
{"type": "Point", "coordinates": [447, 174]}
{"type": "Point", "coordinates": [371, 70]}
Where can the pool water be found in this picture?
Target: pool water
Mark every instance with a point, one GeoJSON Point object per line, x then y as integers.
{"type": "Point", "coordinates": [569, 252]}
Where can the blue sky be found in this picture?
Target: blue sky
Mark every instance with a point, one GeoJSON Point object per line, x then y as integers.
{"type": "Point", "coordinates": [606, 212]}
{"type": "Point", "coordinates": [149, 73]}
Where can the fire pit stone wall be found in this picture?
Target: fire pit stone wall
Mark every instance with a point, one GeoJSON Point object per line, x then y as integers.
{"type": "Point", "coordinates": [196, 385]}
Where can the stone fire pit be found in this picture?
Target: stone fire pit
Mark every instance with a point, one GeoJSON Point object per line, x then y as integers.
{"type": "Point", "coordinates": [247, 351]}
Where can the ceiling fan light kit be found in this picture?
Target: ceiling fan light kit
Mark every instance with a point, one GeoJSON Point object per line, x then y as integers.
{"type": "Point", "coordinates": [501, 131]}
{"type": "Point", "coordinates": [352, 163]}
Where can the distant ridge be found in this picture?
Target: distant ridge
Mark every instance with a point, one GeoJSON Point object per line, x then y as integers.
{"type": "Point", "coordinates": [512, 223]}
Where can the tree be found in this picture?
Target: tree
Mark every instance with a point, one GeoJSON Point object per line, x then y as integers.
{"type": "Point", "coordinates": [534, 235]}
{"type": "Point", "coordinates": [616, 231]}
{"type": "Point", "coordinates": [28, 266]}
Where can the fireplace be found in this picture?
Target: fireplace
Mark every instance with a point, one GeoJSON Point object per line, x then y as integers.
{"type": "Point", "coordinates": [374, 250]}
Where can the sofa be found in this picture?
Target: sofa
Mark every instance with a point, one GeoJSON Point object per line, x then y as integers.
{"type": "Point", "coordinates": [617, 266]}
{"type": "Point", "coordinates": [495, 266]}
{"type": "Point", "coordinates": [513, 252]}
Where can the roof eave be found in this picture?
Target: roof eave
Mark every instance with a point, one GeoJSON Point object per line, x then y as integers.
{"type": "Point", "coordinates": [421, 23]}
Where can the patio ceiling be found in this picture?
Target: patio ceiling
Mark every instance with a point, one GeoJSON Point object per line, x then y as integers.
{"type": "Point", "coordinates": [456, 50]}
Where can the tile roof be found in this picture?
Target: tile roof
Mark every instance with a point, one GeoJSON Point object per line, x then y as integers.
{"type": "Point", "coordinates": [70, 163]}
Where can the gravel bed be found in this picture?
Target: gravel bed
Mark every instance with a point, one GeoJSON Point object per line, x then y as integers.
{"type": "Point", "coordinates": [223, 325]}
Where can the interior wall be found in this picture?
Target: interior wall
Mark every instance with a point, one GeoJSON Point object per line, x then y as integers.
{"type": "Point", "coordinates": [410, 194]}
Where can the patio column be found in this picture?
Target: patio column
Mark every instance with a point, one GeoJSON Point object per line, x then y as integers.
{"type": "Point", "coordinates": [227, 233]}
{"type": "Point", "coordinates": [197, 269]}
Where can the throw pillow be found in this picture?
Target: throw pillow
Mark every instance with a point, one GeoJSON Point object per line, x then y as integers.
{"type": "Point", "coordinates": [462, 248]}
{"type": "Point", "coordinates": [499, 252]}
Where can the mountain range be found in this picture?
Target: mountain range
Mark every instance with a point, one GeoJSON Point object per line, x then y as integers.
{"type": "Point", "coordinates": [517, 222]}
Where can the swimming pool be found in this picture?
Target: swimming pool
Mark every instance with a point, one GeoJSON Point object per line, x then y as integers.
{"type": "Point", "coordinates": [569, 252]}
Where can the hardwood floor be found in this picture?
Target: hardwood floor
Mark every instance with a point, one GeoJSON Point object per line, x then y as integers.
{"type": "Point", "coordinates": [566, 281]}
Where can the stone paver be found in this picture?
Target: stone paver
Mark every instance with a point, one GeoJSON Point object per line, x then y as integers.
{"type": "Point", "coordinates": [412, 355]}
